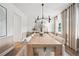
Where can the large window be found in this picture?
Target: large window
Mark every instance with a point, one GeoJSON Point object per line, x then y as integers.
{"type": "Point", "coordinates": [58, 24]}
{"type": "Point", "coordinates": [3, 21]}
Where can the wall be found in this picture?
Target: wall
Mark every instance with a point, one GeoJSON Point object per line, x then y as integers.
{"type": "Point", "coordinates": [30, 23]}
{"type": "Point", "coordinates": [77, 26]}
{"type": "Point", "coordinates": [77, 20]}
{"type": "Point", "coordinates": [11, 12]}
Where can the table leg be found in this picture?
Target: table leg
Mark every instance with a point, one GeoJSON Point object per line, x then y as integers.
{"type": "Point", "coordinates": [29, 50]}
{"type": "Point", "coordinates": [58, 50]}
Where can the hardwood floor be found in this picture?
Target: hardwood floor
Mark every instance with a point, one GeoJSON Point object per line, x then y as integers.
{"type": "Point", "coordinates": [71, 51]}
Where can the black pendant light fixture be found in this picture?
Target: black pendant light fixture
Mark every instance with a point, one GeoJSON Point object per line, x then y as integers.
{"type": "Point", "coordinates": [42, 17]}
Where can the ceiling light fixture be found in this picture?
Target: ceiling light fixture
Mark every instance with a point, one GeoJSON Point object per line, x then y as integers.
{"type": "Point", "coordinates": [43, 18]}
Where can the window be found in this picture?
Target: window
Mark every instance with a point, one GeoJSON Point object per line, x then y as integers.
{"type": "Point", "coordinates": [58, 24]}
{"type": "Point", "coordinates": [3, 21]}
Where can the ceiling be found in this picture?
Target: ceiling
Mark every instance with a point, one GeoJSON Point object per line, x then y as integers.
{"type": "Point", "coordinates": [34, 9]}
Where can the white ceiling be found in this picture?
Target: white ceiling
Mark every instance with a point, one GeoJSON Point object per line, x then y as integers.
{"type": "Point", "coordinates": [34, 9]}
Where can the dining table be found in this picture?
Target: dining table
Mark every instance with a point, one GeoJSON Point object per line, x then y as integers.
{"type": "Point", "coordinates": [44, 41]}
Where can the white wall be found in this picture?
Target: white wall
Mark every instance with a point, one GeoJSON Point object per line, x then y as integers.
{"type": "Point", "coordinates": [30, 23]}
{"type": "Point", "coordinates": [77, 21]}
{"type": "Point", "coordinates": [11, 11]}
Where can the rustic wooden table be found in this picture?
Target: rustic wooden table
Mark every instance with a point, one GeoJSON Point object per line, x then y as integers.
{"type": "Point", "coordinates": [38, 41]}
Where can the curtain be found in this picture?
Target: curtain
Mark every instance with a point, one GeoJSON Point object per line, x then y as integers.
{"type": "Point", "coordinates": [64, 23]}
{"type": "Point", "coordinates": [55, 27]}
{"type": "Point", "coordinates": [71, 30]}
{"type": "Point", "coordinates": [68, 26]}
{"type": "Point", "coordinates": [72, 27]}
{"type": "Point", "coordinates": [67, 34]}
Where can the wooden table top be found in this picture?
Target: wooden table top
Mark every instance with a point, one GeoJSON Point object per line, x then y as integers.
{"type": "Point", "coordinates": [45, 39]}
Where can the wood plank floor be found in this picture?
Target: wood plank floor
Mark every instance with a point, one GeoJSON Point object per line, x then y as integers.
{"type": "Point", "coordinates": [71, 51]}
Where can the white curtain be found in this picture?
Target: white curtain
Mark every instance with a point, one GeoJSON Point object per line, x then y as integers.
{"type": "Point", "coordinates": [64, 22]}
{"type": "Point", "coordinates": [68, 26]}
